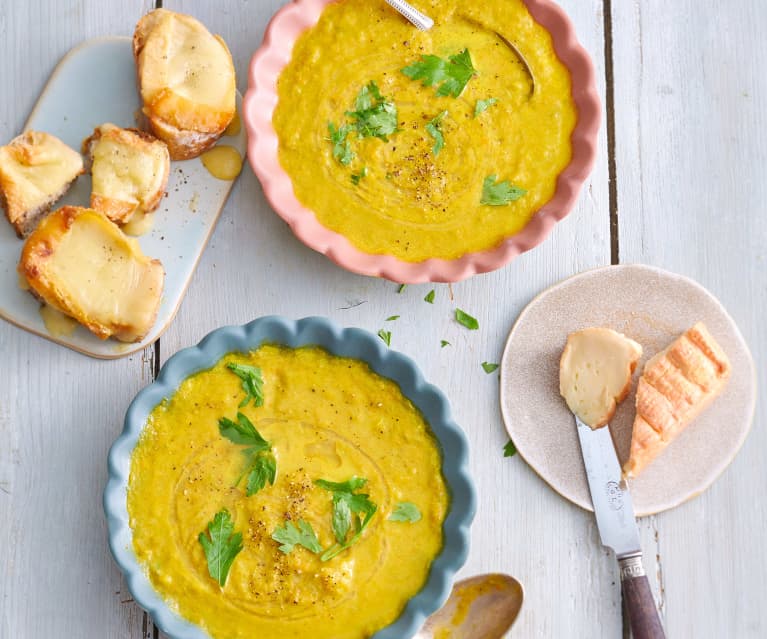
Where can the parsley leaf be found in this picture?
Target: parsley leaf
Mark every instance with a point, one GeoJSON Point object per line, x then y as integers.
{"type": "Point", "coordinates": [263, 469]}
{"type": "Point", "coordinates": [342, 151]}
{"type": "Point", "coordinates": [434, 129]}
{"type": "Point", "coordinates": [374, 115]}
{"type": "Point", "coordinates": [391, 318]}
{"type": "Point", "coordinates": [289, 537]}
{"type": "Point", "coordinates": [221, 545]}
{"type": "Point", "coordinates": [452, 74]}
{"type": "Point", "coordinates": [509, 450]}
{"type": "Point", "coordinates": [252, 382]}
{"type": "Point", "coordinates": [406, 511]}
{"type": "Point", "coordinates": [466, 320]}
{"type": "Point", "coordinates": [488, 367]}
{"type": "Point", "coordinates": [348, 506]}
{"type": "Point", "coordinates": [242, 432]}
{"type": "Point", "coordinates": [349, 486]}
{"type": "Point", "coordinates": [261, 466]}
{"type": "Point", "coordinates": [429, 297]}
{"type": "Point", "coordinates": [385, 336]}
{"type": "Point", "coordinates": [443, 343]}
{"type": "Point", "coordinates": [483, 105]}
{"type": "Point", "coordinates": [356, 177]}
{"type": "Point", "coordinates": [401, 288]}
{"type": "Point", "coordinates": [501, 193]}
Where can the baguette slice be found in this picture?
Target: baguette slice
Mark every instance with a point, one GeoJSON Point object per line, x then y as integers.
{"type": "Point", "coordinates": [36, 169]}
{"type": "Point", "coordinates": [186, 80]}
{"type": "Point", "coordinates": [130, 171]}
{"type": "Point", "coordinates": [83, 265]}
{"type": "Point", "coordinates": [676, 385]}
{"type": "Point", "coordinates": [595, 373]}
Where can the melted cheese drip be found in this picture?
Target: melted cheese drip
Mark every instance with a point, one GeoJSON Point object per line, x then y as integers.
{"type": "Point", "coordinates": [139, 224]}
{"type": "Point", "coordinates": [56, 323]}
{"type": "Point", "coordinates": [234, 126]}
{"type": "Point", "coordinates": [189, 61]}
{"type": "Point", "coordinates": [126, 172]}
{"type": "Point", "coordinates": [223, 162]}
{"type": "Point", "coordinates": [594, 372]}
{"type": "Point", "coordinates": [101, 270]}
{"type": "Point", "coordinates": [40, 166]}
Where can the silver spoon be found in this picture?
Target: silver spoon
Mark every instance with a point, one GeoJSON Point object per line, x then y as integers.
{"type": "Point", "coordinates": [420, 20]}
{"type": "Point", "coordinates": [482, 607]}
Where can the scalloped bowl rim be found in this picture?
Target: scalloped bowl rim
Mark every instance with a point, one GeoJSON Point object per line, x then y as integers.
{"type": "Point", "coordinates": [261, 99]}
{"type": "Point", "coordinates": [348, 342]}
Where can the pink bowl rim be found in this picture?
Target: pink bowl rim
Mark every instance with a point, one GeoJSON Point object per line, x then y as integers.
{"type": "Point", "coordinates": [261, 99]}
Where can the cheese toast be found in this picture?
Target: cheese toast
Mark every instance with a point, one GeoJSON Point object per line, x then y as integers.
{"type": "Point", "coordinates": [82, 264]}
{"type": "Point", "coordinates": [36, 169]}
{"type": "Point", "coordinates": [186, 81]}
{"type": "Point", "coordinates": [130, 171]}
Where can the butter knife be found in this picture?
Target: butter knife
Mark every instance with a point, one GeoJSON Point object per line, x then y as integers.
{"type": "Point", "coordinates": [618, 529]}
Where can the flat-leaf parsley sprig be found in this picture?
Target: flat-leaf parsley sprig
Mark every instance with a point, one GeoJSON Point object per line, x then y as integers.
{"type": "Point", "coordinates": [352, 512]}
{"type": "Point", "coordinates": [252, 382]}
{"type": "Point", "coordinates": [452, 75]}
{"type": "Point", "coordinates": [221, 545]}
{"type": "Point", "coordinates": [261, 464]}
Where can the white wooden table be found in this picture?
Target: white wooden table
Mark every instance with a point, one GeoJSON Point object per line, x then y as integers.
{"type": "Point", "coordinates": [679, 183]}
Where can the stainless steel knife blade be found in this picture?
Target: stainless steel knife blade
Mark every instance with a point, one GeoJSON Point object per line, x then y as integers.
{"type": "Point", "coordinates": [609, 493]}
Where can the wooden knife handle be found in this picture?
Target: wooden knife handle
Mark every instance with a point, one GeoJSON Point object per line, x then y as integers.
{"type": "Point", "coordinates": [643, 615]}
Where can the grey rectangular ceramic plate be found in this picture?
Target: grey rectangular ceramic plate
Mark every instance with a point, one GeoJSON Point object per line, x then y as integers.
{"type": "Point", "coordinates": [96, 83]}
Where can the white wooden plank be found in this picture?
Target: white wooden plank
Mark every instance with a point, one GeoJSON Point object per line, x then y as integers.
{"type": "Point", "coordinates": [690, 90]}
{"type": "Point", "coordinates": [59, 411]}
{"type": "Point", "coordinates": [254, 266]}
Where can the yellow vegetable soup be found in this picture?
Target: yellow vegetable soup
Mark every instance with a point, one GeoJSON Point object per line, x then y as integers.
{"type": "Point", "coordinates": [457, 174]}
{"type": "Point", "coordinates": [323, 417]}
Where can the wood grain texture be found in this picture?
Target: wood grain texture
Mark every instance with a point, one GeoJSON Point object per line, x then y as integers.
{"type": "Point", "coordinates": [254, 266]}
{"type": "Point", "coordinates": [690, 158]}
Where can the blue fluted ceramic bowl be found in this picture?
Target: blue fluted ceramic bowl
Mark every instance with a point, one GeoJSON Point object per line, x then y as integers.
{"type": "Point", "coordinates": [347, 342]}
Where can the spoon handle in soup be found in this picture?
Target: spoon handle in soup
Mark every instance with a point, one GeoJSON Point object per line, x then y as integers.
{"type": "Point", "coordinates": [420, 20]}
{"type": "Point", "coordinates": [643, 615]}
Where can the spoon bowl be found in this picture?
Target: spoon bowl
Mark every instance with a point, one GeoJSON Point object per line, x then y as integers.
{"type": "Point", "coordinates": [482, 607]}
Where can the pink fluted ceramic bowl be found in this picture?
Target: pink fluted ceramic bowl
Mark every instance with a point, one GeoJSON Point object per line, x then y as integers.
{"type": "Point", "coordinates": [261, 99]}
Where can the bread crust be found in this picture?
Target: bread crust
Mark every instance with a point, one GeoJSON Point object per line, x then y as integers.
{"type": "Point", "coordinates": [46, 284]}
{"type": "Point", "coordinates": [187, 127]}
{"type": "Point", "coordinates": [676, 385]}
{"type": "Point", "coordinates": [117, 210]}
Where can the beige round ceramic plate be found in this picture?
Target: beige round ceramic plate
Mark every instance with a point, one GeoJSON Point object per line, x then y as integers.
{"type": "Point", "coordinates": [653, 307]}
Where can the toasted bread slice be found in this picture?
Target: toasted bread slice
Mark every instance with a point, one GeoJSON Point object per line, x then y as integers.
{"type": "Point", "coordinates": [595, 373]}
{"type": "Point", "coordinates": [82, 264]}
{"type": "Point", "coordinates": [676, 385]}
{"type": "Point", "coordinates": [186, 80]}
{"type": "Point", "coordinates": [130, 171]}
{"type": "Point", "coordinates": [36, 169]}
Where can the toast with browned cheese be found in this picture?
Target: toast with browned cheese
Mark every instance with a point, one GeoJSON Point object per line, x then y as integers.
{"type": "Point", "coordinates": [186, 81]}
{"type": "Point", "coordinates": [82, 264]}
{"type": "Point", "coordinates": [129, 169]}
{"type": "Point", "coordinates": [36, 169]}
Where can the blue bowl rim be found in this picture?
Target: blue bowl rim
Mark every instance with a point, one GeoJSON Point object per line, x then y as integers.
{"type": "Point", "coordinates": [347, 342]}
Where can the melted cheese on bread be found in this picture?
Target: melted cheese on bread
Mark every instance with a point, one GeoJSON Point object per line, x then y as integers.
{"type": "Point", "coordinates": [186, 79]}
{"type": "Point", "coordinates": [130, 171]}
{"type": "Point", "coordinates": [595, 373]}
{"type": "Point", "coordinates": [80, 263]}
{"type": "Point", "coordinates": [36, 169]}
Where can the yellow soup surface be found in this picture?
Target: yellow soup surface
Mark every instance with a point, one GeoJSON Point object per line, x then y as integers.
{"type": "Point", "coordinates": [412, 203]}
{"type": "Point", "coordinates": [326, 417]}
